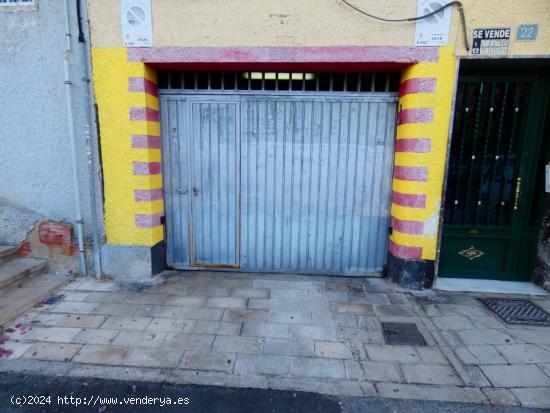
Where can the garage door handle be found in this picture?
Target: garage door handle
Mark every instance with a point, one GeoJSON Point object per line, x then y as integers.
{"type": "Point", "coordinates": [182, 192]}
{"type": "Point", "coordinates": [195, 191]}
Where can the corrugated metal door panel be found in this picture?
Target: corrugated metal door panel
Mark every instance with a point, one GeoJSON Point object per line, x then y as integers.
{"type": "Point", "coordinates": [214, 182]}
{"type": "Point", "coordinates": [278, 183]}
{"type": "Point", "coordinates": [175, 166]}
{"type": "Point", "coordinates": [315, 184]}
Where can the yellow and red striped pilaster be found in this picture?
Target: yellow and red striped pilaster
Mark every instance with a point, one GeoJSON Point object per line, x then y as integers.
{"type": "Point", "coordinates": [425, 100]}
{"type": "Point", "coordinates": [127, 98]}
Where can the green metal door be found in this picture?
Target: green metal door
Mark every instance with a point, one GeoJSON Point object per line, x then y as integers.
{"type": "Point", "coordinates": [491, 203]}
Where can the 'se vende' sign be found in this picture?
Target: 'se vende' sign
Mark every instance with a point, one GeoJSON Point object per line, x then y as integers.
{"type": "Point", "coordinates": [491, 41]}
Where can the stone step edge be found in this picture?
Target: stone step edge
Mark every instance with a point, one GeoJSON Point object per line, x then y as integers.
{"type": "Point", "coordinates": [32, 270]}
{"type": "Point", "coordinates": [35, 298]}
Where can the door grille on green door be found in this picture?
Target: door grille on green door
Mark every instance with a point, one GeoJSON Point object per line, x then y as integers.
{"type": "Point", "coordinates": [484, 155]}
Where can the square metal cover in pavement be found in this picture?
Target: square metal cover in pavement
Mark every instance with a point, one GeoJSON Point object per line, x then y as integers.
{"type": "Point", "coordinates": [514, 311]}
{"type": "Point", "coordinates": [404, 334]}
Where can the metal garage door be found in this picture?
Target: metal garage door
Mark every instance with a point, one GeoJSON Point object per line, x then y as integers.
{"type": "Point", "coordinates": [279, 182]}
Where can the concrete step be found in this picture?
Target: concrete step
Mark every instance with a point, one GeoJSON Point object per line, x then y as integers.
{"type": "Point", "coordinates": [19, 269]}
{"type": "Point", "coordinates": [15, 301]}
{"type": "Point", "coordinates": [7, 253]}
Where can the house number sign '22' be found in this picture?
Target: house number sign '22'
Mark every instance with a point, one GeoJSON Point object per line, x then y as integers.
{"type": "Point", "coordinates": [527, 32]}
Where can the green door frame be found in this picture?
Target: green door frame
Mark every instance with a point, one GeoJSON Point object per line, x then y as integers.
{"type": "Point", "coordinates": [522, 234]}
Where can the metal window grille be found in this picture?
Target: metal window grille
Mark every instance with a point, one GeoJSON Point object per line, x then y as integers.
{"type": "Point", "coordinates": [354, 82]}
{"type": "Point", "coordinates": [483, 164]}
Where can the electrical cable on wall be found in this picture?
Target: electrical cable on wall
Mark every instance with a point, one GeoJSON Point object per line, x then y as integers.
{"type": "Point", "coordinates": [425, 16]}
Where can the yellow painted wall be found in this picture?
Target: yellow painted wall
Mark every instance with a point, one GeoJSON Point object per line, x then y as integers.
{"type": "Point", "coordinates": [312, 23]}
{"type": "Point", "coordinates": [111, 72]}
{"type": "Point", "coordinates": [282, 23]}
{"type": "Point", "coordinates": [444, 71]}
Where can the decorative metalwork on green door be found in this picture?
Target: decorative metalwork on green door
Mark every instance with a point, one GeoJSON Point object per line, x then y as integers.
{"type": "Point", "coordinates": [489, 194]}
{"type": "Point", "coordinates": [471, 253]}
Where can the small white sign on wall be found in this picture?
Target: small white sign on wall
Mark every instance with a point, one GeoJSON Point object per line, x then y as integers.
{"type": "Point", "coordinates": [136, 23]}
{"type": "Point", "coordinates": [433, 30]}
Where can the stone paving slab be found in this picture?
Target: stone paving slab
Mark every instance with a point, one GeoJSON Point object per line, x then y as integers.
{"type": "Point", "coordinates": [534, 336]}
{"type": "Point", "coordinates": [249, 292]}
{"type": "Point", "coordinates": [524, 353]}
{"type": "Point", "coordinates": [394, 310]}
{"type": "Point", "coordinates": [226, 302]}
{"type": "Point", "coordinates": [145, 298]}
{"type": "Point", "coordinates": [348, 388]}
{"type": "Point", "coordinates": [372, 298]}
{"type": "Point", "coordinates": [186, 301]}
{"type": "Point", "coordinates": [187, 313]}
{"type": "Point", "coordinates": [52, 351]}
{"type": "Point", "coordinates": [477, 355]}
{"type": "Point", "coordinates": [239, 316]}
{"type": "Point", "coordinates": [533, 397]}
{"type": "Point", "coordinates": [126, 323]}
{"type": "Point", "coordinates": [313, 333]}
{"type": "Point", "coordinates": [272, 330]}
{"type": "Point", "coordinates": [501, 397]}
{"type": "Point", "coordinates": [208, 361]}
{"type": "Point", "coordinates": [354, 308]}
{"type": "Point", "coordinates": [316, 367]}
{"type": "Point", "coordinates": [546, 368]}
{"type": "Point", "coordinates": [284, 347]}
{"type": "Point", "coordinates": [216, 327]}
{"type": "Point", "coordinates": [261, 364]}
{"type": "Point", "coordinates": [17, 348]}
{"type": "Point", "coordinates": [139, 339]}
{"type": "Point", "coordinates": [372, 371]}
{"type": "Point", "coordinates": [154, 357]}
{"type": "Point", "coordinates": [430, 374]}
{"type": "Point", "coordinates": [431, 355]}
{"type": "Point", "coordinates": [99, 354]}
{"type": "Point", "coordinates": [332, 349]}
{"type": "Point", "coordinates": [188, 341]}
{"type": "Point", "coordinates": [516, 376]}
{"type": "Point", "coordinates": [489, 337]}
{"type": "Point", "coordinates": [237, 344]}
{"type": "Point", "coordinates": [75, 307]}
{"type": "Point", "coordinates": [95, 336]}
{"type": "Point", "coordinates": [82, 321]}
{"type": "Point", "coordinates": [363, 335]}
{"type": "Point", "coordinates": [56, 334]}
{"type": "Point", "coordinates": [331, 319]}
{"type": "Point", "coordinates": [77, 296]}
{"type": "Point", "coordinates": [170, 325]}
{"type": "Point", "coordinates": [400, 354]}
{"type": "Point", "coordinates": [486, 321]}
{"type": "Point", "coordinates": [40, 319]}
{"type": "Point", "coordinates": [289, 317]}
{"type": "Point", "coordinates": [161, 311]}
{"type": "Point", "coordinates": [116, 309]}
{"type": "Point", "coordinates": [453, 322]}
{"type": "Point", "coordinates": [100, 297]}
{"type": "Point", "coordinates": [424, 392]}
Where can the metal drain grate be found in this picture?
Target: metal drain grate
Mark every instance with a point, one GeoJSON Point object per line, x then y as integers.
{"type": "Point", "coordinates": [514, 311]}
{"type": "Point", "coordinates": [403, 334]}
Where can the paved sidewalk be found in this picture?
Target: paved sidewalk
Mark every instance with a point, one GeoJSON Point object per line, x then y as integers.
{"type": "Point", "coordinates": [312, 333]}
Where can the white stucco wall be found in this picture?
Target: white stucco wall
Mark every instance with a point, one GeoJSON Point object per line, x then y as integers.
{"type": "Point", "coordinates": [35, 168]}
